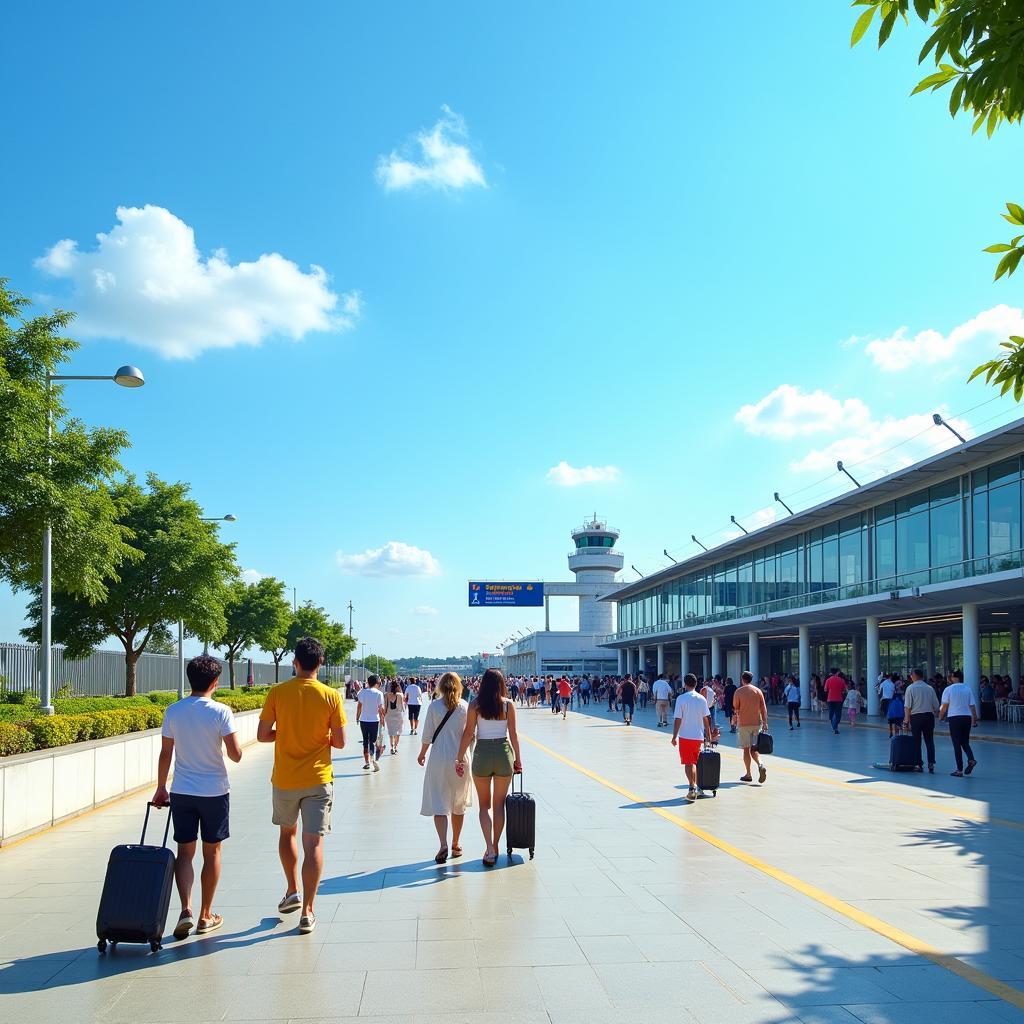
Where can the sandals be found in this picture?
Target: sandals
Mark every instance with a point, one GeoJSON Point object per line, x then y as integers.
{"type": "Point", "coordinates": [456, 851]}
{"type": "Point", "coordinates": [489, 862]}
{"type": "Point", "coordinates": [441, 856]}
{"type": "Point", "coordinates": [209, 924]}
{"type": "Point", "coordinates": [185, 925]}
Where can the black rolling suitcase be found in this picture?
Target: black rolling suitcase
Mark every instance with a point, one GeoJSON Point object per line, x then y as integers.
{"type": "Point", "coordinates": [520, 819]}
{"type": "Point", "coordinates": [136, 893]}
{"type": "Point", "coordinates": [903, 753]}
{"type": "Point", "coordinates": [709, 770]}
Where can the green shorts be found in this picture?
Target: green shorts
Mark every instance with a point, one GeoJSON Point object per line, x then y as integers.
{"type": "Point", "coordinates": [493, 758]}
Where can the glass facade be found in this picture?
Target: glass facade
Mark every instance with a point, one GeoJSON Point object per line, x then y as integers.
{"type": "Point", "coordinates": [967, 526]}
{"type": "Point", "coordinates": [589, 541]}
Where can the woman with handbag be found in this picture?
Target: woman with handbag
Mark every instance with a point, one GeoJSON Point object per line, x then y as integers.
{"type": "Point", "coordinates": [446, 794]}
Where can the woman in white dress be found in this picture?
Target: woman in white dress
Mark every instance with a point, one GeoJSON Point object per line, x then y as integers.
{"type": "Point", "coordinates": [445, 794]}
{"type": "Point", "coordinates": [394, 714]}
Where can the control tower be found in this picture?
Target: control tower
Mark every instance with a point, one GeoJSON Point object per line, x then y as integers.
{"type": "Point", "coordinates": [595, 560]}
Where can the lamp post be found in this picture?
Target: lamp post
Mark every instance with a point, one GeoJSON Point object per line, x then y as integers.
{"type": "Point", "coordinates": [229, 518]}
{"type": "Point", "coordinates": [362, 660]}
{"type": "Point", "coordinates": [350, 637]}
{"type": "Point", "coordinates": [940, 422]}
{"type": "Point", "coordinates": [126, 377]}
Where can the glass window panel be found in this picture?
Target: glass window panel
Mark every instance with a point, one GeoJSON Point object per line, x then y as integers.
{"type": "Point", "coordinates": [912, 503]}
{"type": "Point", "coordinates": [979, 517]}
{"type": "Point", "coordinates": [885, 512]}
{"type": "Point", "coordinates": [814, 568]}
{"type": "Point", "coordinates": [849, 524]}
{"type": "Point", "coordinates": [912, 542]}
{"type": "Point", "coordinates": [1004, 519]}
{"type": "Point", "coordinates": [1003, 471]}
{"type": "Point", "coordinates": [945, 492]}
{"type": "Point", "coordinates": [830, 563]}
{"type": "Point", "coordinates": [945, 534]}
{"type": "Point", "coordinates": [850, 558]}
{"type": "Point", "coordinates": [885, 550]}
{"type": "Point", "coordinates": [979, 479]}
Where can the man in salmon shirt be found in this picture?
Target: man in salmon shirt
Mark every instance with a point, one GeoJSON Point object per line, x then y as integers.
{"type": "Point", "coordinates": [750, 716]}
{"type": "Point", "coordinates": [835, 694]}
{"type": "Point", "coordinates": [303, 719]}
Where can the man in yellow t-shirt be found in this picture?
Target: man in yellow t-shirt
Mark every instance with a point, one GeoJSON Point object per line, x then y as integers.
{"type": "Point", "coordinates": [303, 719]}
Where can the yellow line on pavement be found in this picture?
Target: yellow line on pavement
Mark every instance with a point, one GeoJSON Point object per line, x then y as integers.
{"type": "Point", "coordinates": [909, 942]}
{"type": "Point", "coordinates": [845, 785]}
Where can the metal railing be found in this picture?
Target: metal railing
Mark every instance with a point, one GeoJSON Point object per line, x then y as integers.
{"type": "Point", "coordinates": [969, 569]}
{"type": "Point", "coordinates": [101, 674]}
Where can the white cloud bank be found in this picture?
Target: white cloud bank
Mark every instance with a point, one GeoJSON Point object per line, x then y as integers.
{"type": "Point", "coordinates": [789, 412]}
{"type": "Point", "coordinates": [901, 351]}
{"type": "Point", "coordinates": [252, 576]}
{"type": "Point", "coordinates": [393, 559]}
{"type": "Point", "coordinates": [445, 162]}
{"type": "Point", "coordinates": [425, 609]}
{"type": "Point", "coordinates": [564, 475]}
{"type": "Point", "coordinates": [146, 282]}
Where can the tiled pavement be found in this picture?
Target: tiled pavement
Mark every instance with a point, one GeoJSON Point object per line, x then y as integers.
{"type": "Point", "coordinates": [623, 916]}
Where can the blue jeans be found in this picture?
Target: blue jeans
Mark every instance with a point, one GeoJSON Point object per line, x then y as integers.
{"type": "Point", "coordinates": [835, 713]}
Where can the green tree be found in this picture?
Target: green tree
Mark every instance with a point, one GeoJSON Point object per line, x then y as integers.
{"type": "Point", "coordinates": [379, 666]}
{"type": "Point", "coordinates": [310, 619]}
{"type": "Point", "coordinates": [977, 48]}
{"type": "Point", "coordinates": [254, 616]}
{"type": "Point", "coordinates": [65, 481]}
{"type": "Point", "coordinates": [181, 572]}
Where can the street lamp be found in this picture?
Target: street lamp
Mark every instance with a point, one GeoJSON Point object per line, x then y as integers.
{"type": "Point", "coordinates": [126, 377]}
{"type": "Point", "coordinates": [782, 503]}
{"type": "Point", "coordinates": [362, 660]}
{"type": "Point", "coordinates": [843, 469]}
{"type": "Point", "coordinates": [940, 422]}
{"type": "Point", "coordinates": [229, 518]}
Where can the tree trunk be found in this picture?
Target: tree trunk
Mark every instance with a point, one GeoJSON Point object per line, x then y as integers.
{"type": "Point", "coordinates": [130, 662]}
{"type": "Point", "coordinates": [277, 668]}
{"type": "Point", "coordinates": [231, 667]}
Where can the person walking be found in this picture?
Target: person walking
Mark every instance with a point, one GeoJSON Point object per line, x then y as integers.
{"type": "Point", "coordinates": [792, 695]}
{"type": "Point", "coordinates": [394, 714]}
{"type": "Point", "coordinates": [446, 794]}
{"type": "Point", "coordinates": [643, 692]}
{"type": "Point", "coordinates": [492, 720]}
{"type": "Point", "coordinates": [662, 693]}
{"type": "Point", "coordinates": [564, 695]}
{"type": "Point", "coordinates": [959, 709]}
{"type": "Point", "coordinates": [197, 731]}
{"type": "Point", "coordinates": [303, 719]}
{"type": "Point", "coordinates": [728, 693]}
{"type": "Point", "coordinates": [371, 719]}
{"type": "Point", "coordinates": [751, 717]}
{"type": "Point", "coordinates": [853, 702]}
{"type": "Point", "coordinates": [920, 708]}
{"type": "Point", "coordinates": [894, 716]}
{"type": "Point", "coordinates": [627, 698]}
{"type": "Point", "coordinates": [835, 694]}
{"type": "Point", "coordinates": [691, 727]}
{"type": "Point", "coordinates": [886, 689]}
{"type": "Point", "coordinates": [413, 699]}
{"type": "Point", "coordinates": [707, 691]}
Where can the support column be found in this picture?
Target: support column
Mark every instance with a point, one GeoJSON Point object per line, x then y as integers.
{"type": "Point", "coordinates": [947, 655]}
{"type": "Point", "coordinates": [622, 652]}
{"type": "Point", "coordinates": [641, 659]}
{"type": "Point", "coordinates": [1015, 656]}
{"type": "Point", "coordinates": [547, 614]}
{"type": "Point", "coordinates": [716, 656]}
{"type": "Point", "coordinates": [855, 659]}
{"type": "Point", "coordinates": [661, 658]}
{"type": "Point", "coordinates": [754, 655]}
{"type": "Point", "coordinates": [929, 661]}
{"type": "Point", "coordinates": [805, 667]}
{"type": "Point", "coordinates": [874, 662]}
{"type": "Point", "coordinates": [684, 657]}
{"type": "Point", "coordinates": [972, 651]}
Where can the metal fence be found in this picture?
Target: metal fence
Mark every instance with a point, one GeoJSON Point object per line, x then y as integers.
{"type": "Point", "coordinates": [101, 674]}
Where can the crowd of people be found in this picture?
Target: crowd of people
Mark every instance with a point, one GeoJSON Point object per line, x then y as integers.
{"type": "Point", "coordinates": [469, 747]}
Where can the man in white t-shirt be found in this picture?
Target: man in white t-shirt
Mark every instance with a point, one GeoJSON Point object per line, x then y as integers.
{"type": "Point", "coordinates": [196, 732]}
{"type": "Point", "coordinates": [691, 728]}
{"type": "Point", "coordinates": [413, 699]}
{"type": "Point", "coordinates": [886, 690]}
{"type": "Point", "coordinates": [371, 718]}
{"type": "Point", "coordinates": [661, 691]}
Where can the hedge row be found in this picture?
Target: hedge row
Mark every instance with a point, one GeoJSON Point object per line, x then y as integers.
{"type": "Point", "coordinates": [43, 732]}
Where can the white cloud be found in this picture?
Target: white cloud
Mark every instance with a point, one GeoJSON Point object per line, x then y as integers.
{"type": "Point", "coordinates": [867, 452]}
{"type": "Point", "coordinates": [146, 282]}
{"type": "Point", "coordinates": [901, 351]}
{"type": "Point", "coordinates": [762, 517]}
{"type": "Point", "coordinates": [789, 412]}
{"type": "Point", "coordinates": [565, 475]}
{"type": "Point", "coordinates": [393, 559]}
{"type": "Point", "coordinates": [444, 161]}
{"type": "Point", "coordinates": [252, 575]}
{"type": "Point", "coordinates": [425, 609]}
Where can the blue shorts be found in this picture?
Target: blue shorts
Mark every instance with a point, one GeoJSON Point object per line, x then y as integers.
{"type": "Point", "coordinates": [194, 814]}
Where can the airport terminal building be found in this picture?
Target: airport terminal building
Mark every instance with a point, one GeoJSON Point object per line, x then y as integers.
{"type": "Point", "coordinates": [921, 568]}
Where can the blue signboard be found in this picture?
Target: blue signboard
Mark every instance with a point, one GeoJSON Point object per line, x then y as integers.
{"type": "Point", "coordinates": [506, 595]}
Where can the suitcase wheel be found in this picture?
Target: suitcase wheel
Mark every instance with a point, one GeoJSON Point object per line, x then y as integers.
{"type": "Point", "coordinates": [155, 946]}
{"type": "Point", "coordinates": [510, 853]}
{"type": "Point", "coordinates": [531, 853]}
{"type": "Point", "coordinates": [102, 945]}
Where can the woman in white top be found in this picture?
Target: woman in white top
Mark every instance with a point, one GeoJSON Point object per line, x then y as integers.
{"type": "Point", "coordinates": [492, 719]}
{"type": "Point", "coordinates": [394, 713]}
{"type": "Point", "coordinates": [446, 794]}
{"type": "Point", "coordinates": [371, 718]}
{"type": "Point", "coordinates": [959, 709]}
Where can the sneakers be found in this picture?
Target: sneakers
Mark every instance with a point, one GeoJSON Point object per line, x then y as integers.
{"type": "Point", "coordinates": [970, 767]}
{"type": "Point", "coordinates": [957, 774]}
{"type": "Point", "coordinates": [366, 767]}
{"type": "Point", "coordinates": [185, 924]}
{"type": "Point", "coordinates": [376, 768]}
{"type": "Point", "coordinates": [291, 902]}
{"type": "Point", "coordinates": [746, 778]}
{"type": "Point", "coordinates": [691, 795]}
{"type": "Point", "coordinates": [307, 923]}
{"type": "Point", "coordinates": [931, 769]}
{"type": "Point", "coordinates": [762, 773]}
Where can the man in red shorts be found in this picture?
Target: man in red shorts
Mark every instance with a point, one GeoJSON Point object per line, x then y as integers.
{"type": "Point", "coordinates": [691, 727]}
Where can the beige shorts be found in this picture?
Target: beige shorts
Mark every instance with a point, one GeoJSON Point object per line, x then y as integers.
{"type": "Point", "coordinates": [746, 735]}
{"type": "Point", "coordinates": [313, 804]}
{"type": "Point", "coordinates": [662, 707]}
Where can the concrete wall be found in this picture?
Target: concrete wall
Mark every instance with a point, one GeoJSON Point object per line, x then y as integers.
{"type": "Point", "coordinates": [44, 787]}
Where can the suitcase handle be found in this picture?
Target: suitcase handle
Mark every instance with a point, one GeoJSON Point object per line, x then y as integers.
{"type": "Point", "coordinates": [516, 775]}
{"type": "Point", "coordinates": [145, 824]}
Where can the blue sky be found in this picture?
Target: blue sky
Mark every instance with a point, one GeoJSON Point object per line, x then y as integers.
{"type": "Point", "coordinates": [707, 246]}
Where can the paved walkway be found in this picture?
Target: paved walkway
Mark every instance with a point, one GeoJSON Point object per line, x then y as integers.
{"type": "Point", "coordinates": [764, 904]}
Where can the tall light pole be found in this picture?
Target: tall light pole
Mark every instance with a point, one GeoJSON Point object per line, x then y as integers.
{"type": "Point", "coordinates": [229, 518]}
{"type": "Point", "coordinates": [126, 377]}
{"type": "Point", "coordinates": [362, 660]}
{"type": "Point", "coordinates": [352, 648]}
